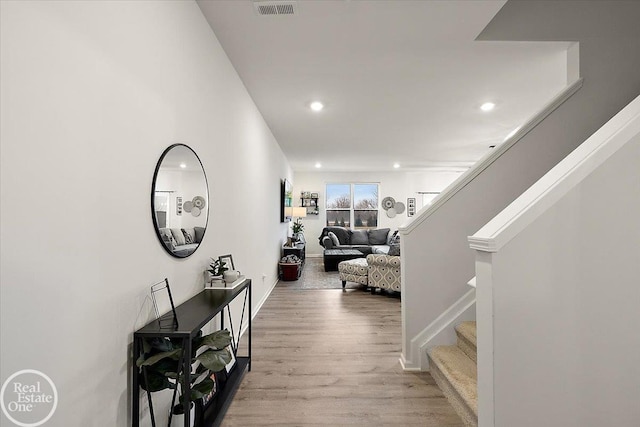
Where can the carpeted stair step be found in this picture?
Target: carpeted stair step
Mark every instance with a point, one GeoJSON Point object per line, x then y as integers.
{"type": "Point", "coordinates": [456, 375]}
{"type": "Point", "coordinates": [467, 341]}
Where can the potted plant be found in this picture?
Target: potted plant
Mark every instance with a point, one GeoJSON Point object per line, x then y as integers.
{"type": "Point", "coordinates": [297, 228]}
{"type": "Point", "coordinates": [161, 358]}
{"type": "Point", "coordinates": [217, 268]}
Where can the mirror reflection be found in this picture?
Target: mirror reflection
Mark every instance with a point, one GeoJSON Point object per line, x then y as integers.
{"type": "Point", "coordinates": [180, 200]}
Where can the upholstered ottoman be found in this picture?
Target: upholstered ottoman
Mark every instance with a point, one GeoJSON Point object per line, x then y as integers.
{"type": "Point", "coordinates": [354, 270]}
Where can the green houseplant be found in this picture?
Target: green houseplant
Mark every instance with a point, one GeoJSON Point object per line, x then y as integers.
{"type": "Point", "coordinates": [297, 227]}
{"type": "Point", "coordinates": [217, 267]}
{"type": "Point", "coordinates": [159, 364]}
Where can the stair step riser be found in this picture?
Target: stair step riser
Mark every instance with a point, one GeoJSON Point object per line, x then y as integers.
{"type": "Point", "coordinates": [466, 333]}
{"type": "Point", "coordinates": [468, 348]}
{"type": "Point", "coordinates": [462, 406]}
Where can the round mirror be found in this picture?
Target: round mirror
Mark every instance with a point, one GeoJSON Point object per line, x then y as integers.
{"type": "Point", "coordinates": [180, 201]}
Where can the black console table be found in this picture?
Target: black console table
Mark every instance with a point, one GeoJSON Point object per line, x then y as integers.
{"type": "Point", "coordinates": [192, 315]}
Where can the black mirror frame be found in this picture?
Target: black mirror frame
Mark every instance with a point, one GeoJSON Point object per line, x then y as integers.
{"type": "Point", "coordinates": [153, 188]}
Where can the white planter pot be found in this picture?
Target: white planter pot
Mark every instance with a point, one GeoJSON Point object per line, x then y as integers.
{"type": "Point", "coordinates": [208, 278]}
{"type": "Point", "coordinates": [177, 420]}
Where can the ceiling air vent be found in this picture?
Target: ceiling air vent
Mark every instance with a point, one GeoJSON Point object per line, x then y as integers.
{"type": "Point", "coordinates": [271, 8]}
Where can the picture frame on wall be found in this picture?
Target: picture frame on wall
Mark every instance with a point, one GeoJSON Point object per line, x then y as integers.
{"type": "Point", "coordinates": [411, 206]}
{"type": "Point", "coordinates": [286, 193]}
{"type": "Point", "coordinates": [179, 205]}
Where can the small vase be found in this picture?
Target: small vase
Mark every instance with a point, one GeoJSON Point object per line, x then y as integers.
{"type": "Point", "coordinates": [177, 419]}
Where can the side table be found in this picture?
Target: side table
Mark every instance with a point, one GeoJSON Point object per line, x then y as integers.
{"type": "Point", "coordinates": [298, 249]}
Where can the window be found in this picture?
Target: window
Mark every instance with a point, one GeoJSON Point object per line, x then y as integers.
{"type": "Point", "coordinates": [355, 204]}
{"type": "Point", "coordinates": [365, 205]}
{"type": "Point", "coordinates": [339, 204]}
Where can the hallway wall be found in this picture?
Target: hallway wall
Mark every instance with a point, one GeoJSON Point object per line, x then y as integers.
{"type": "Point", "coordinates": [92, 93]}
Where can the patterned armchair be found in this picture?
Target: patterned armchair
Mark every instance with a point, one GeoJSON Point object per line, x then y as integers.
{"type": "Point", "coordinates": [384, 272]}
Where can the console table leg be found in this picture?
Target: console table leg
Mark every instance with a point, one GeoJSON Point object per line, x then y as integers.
{"type": "Point", "coordinates": [136, 385]}
{"type": "Point", "coordinates": [249, 353]}
{"type": "Point", "coordinates": [186, 383]}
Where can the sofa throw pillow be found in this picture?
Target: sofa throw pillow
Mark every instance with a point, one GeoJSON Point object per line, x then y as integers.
{"type": "Point", "coordinates": [359, 237]}
{"type": "Point", "coordinates": [343, 234]}
{"type": "Point", "coordinates": [199, 234]}
{"type": "Point", "coordinates": [379, 236]}
{"type": "Point", "coordinates": [167, 238]}
{"type": "Point", "coordinates": [189, 235]}
{"type": "Point", "coordinates": [334, 239]}
{"type": "Point", "coordinates": [178, 236]}
{"type": "Point", "coordinates": [167, 242]}
{"type": "Point", "coordinates": [394, 250]}
{"type": "Point", "coordinates": [393, 238]}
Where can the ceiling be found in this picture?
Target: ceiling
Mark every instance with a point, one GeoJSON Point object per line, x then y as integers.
{"type": "Point", "coordinates": [401, 81]}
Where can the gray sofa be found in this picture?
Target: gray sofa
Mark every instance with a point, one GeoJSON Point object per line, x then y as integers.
{"type": "Point", "coordinates": [375, 241]}
{"type": "Point", "coordinates": [182, 241]}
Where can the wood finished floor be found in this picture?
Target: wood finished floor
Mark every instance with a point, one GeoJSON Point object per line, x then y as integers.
{"type": "Point", "coordinates": [327, 357]}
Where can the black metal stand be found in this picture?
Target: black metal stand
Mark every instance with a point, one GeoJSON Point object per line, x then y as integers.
{"type": "Point", "coordinates": [193, 315]}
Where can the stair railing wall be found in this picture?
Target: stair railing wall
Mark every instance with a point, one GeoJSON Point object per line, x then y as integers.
{"type": "Point", "coordinates": [557, 291]}
{"type": "Point", "coordinates": [436, 261]}
{"type": "Point", "coordinates": [436, 258]}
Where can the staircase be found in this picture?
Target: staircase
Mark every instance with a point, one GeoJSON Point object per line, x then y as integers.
{"type": "Point", "coordinates": [455, 371]}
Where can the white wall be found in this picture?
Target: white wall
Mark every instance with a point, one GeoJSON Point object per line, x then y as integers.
{"type": "Point", "coordinates": [91, 95]}
{"type": "Point", "coordinates": [437, 262]}
{"type": "Point", "coordinates": [398, 184]}
{"type": "Point", "coordinates": [565, 300]}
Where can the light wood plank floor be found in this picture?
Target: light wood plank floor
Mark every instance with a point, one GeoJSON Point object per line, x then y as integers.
{"type": "Point", "coordinates": [327, 357]}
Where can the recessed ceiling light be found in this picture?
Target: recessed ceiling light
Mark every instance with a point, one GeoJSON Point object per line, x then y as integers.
{"type": "Point", "coordinates": [396, 165]}
{"type": "Point", "coordinates": [318, 165]}
{"type": "Point", "coordinates": [182, 165]}
{"type": "Point", "coordinates": [487, 106]}
{"type": "Point", "coordinates": [316, 106]}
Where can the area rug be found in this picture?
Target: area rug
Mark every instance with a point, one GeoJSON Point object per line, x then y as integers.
{"type": "Point", "coordinates": [314, 277]}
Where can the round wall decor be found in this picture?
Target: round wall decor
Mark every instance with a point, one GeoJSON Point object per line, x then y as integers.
{"type": "Point", "coordinates": [388, 203]}
{"type": "Point", "coordinates": [198, 202]}
{"type": "Point", "coordinates": [392, 207]}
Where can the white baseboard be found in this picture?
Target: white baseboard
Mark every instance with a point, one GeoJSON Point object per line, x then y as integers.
{"type": "Point", "coordinates": [407, 365]}
{"type": "Point", "coordinates": [264, 299]}
{"type": "Point", "coordinates": [440, 331]}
